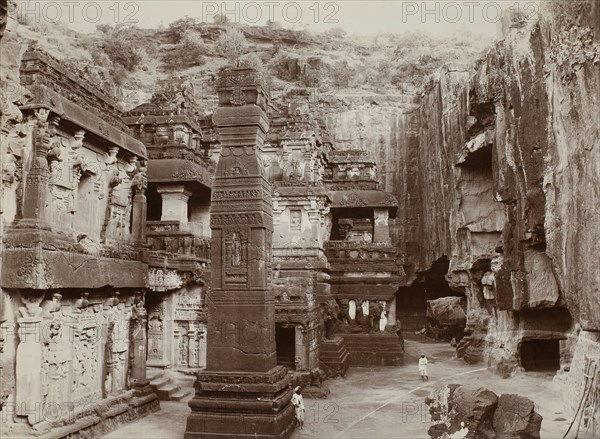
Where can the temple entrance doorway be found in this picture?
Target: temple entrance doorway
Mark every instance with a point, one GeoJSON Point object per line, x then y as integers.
{"type": "Point", "coordinates": [540, 355]}
{"type": "Point", "coordinates": [285, 341]}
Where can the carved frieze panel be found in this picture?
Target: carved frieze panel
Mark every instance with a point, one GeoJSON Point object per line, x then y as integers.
{"type": "Point", "coordinates": [162, 279]}
{"type": "Point", "coordinates": [188, 304]}
{"type": "Point", "coordinates": [156, 334]}
{"type": "Point", "coordinates": [246, 194]}
{"type": "Point", "coordinates": [235, 219]}
{"type": "Point", "coordinates": [86, 354]}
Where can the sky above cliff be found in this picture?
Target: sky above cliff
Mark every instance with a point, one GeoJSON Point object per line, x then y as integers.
{"type": "Point", "coordinates": [355, 17]}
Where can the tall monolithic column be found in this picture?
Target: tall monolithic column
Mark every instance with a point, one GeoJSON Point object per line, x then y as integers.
{"type": "Point", "coordinates": [242, 393]}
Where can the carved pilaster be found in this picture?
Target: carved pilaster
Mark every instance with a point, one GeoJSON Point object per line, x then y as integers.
{"type": "Point", "coordinates": [139, 184]}
{"type": "Point", "coordinates": [137, 347]}
{"type": "Point", "coordinates": [28, 386]}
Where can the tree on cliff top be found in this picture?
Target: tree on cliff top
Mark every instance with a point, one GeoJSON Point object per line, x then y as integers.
{"type": "Point", "coordinates": [178, 28]}
{"type": "Point", "coordinates": [232, 44]}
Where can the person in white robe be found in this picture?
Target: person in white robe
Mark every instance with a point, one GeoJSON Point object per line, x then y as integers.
{"type": "Point", "coordinates": [298, 403]}
{"type": "Point", "coordinates": [423, 368]}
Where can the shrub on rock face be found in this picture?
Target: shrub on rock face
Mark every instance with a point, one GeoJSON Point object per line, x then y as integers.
{"type": "Point", "coordinates": [178, 28]}
{"type": "Point", "coordinates": [232, 44]}
{"type": "Point", "coordinates": [124, 46]}
{"type": "Point", "coordinates": [188, 52]}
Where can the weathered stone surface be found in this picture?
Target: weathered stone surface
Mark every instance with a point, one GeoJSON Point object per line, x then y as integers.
{"type": "Point", "coordinates": [67, 222]}
{"type": "Point", "coordinates": [515, 415]}
{"type": "Point", "coordinates": [447, 311]}
{"type": "Point", "coordinates": [578, 382]}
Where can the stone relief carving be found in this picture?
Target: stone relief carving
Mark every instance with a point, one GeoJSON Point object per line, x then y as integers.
{"type": "Point", "coordinates": [156, 332]}
{"type": "Point", "coordinates": [236, 250]}
{"type": "Point", "coordinates": [162, 279]}
{"type": "Point", "coordinates": [355, 316]}
{"type": "Point", "coordinates": [31, 305]}
{"type": "Point", "coordinates": [84, 386]}
{"type": "Point", "coordinates": [242, 219]}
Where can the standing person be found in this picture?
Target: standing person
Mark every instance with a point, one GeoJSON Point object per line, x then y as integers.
{"type": "Point", "coordinates": [298, 402]}
{"type": "Point", "coordinates": [423, 368]}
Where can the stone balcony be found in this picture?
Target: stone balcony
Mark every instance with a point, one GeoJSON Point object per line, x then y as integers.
{"type": "Point", "coordinates": [178, 246]}
{"type": "Point", "coordinates": [348, 251]}
{"type": "Point", "coordinates": [363, 270]}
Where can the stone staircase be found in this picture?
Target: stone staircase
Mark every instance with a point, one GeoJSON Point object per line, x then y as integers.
{"type": "Point", "coordinates": [169, 388]}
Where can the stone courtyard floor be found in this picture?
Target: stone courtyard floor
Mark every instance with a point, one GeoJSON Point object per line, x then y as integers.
{"type": "Point", "coordinates": [382, 402]}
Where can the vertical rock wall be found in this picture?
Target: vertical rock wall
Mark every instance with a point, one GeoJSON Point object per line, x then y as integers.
{"type": "Point", "coordinates": [509, 188]}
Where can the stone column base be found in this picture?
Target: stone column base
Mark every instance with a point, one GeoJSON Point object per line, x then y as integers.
{"type": "Point", "coordinates": [241, 405]}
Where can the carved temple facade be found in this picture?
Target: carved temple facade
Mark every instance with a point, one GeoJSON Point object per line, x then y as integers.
{"type": "Point", "coordinates": [74, 265]}
{"type": "Point", "coordinates": [106, 248]}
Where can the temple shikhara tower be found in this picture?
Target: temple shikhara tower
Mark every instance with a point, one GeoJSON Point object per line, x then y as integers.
{"type": "Point", "coordinates": [242, 392]}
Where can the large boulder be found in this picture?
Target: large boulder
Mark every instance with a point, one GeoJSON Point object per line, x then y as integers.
{"type": "Point", "coordinates": [515, 416]}
{"type": "Point", "coordinates": [446, 317]}
{"type": "Point", "coordinates": [481, 414]}
{"type": "Point", "coordinates": [447, 311]}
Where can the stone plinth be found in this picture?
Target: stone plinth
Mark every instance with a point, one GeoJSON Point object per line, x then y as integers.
{"type": "Point", "coordinates": [241, 405]}
{"type": "Point", "coordinates": [380, 349]}
{"type": "Point", "coordinates": [242, 393]}
{"type": "Point", "coordinates": [335, 356]}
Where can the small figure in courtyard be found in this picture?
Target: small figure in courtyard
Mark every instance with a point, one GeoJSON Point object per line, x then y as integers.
{"type": "Point", "coordinates": [423, 367]}
{"type": "Point", "coordinates": [298, 402]}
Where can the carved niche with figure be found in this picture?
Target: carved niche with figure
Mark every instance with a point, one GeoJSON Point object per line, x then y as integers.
{"type": "Point", "coordinates": [235, 257]}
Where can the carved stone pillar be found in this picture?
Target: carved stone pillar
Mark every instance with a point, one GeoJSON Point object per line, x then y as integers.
{"type": "Point", "coordinates": [301, 349]}
{"type": "Point", "coordinates": [242, 393]}
{"type": "Point", "coordinates": [392, 311]}
{"type": "Point", "coordinates": [36, 183]}
{"type": "Point", "coordinates": [137, 344]}
{"type": "Point", "coordinates": [139, 185]}
{"type": "Point", "coordinates": [381, 229]}
{"type": "Point", "coordinates": [174, 203]}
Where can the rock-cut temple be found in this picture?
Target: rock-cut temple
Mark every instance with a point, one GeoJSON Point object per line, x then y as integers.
{"type": "Point", "coordinates": [245, 244]}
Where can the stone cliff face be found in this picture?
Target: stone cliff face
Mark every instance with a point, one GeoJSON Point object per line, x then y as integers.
{"type": "Point", "coordinates": [508, 168]}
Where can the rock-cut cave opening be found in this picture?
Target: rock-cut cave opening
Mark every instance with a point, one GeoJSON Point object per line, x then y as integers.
{"type": "Point", "coordinates": [540, 355]}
